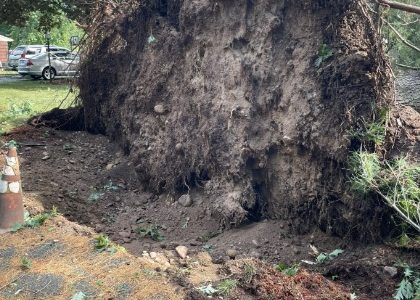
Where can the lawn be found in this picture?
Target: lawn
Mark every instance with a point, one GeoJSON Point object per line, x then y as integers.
{"type": "Point", "coordinates": [21, 99]}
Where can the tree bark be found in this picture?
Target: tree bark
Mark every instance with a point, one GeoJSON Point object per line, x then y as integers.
{"type": "Point", "coordinates": [400, 6]}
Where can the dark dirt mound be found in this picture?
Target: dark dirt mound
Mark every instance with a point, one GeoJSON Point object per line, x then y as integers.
{"type": "Point", "coordinates": [225, 97]}
{"type": "Point", "coordinates": [90, 182]}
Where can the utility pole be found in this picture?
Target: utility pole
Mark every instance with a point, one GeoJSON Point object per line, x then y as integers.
{"type": "Point", "coordinates": [48, 37]}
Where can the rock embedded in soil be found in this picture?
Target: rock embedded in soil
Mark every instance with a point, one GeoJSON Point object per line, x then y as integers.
{"type": "Point", "coordinates": [159, 109]}
{"type": "Point", "coordinates": [182, 251]}
{"type": "Point", "coordinates": [391, 271]}
{"type": "Point", "coordinates": [185, 200]}
{"type": "Point", "coordinates": [232, 253]}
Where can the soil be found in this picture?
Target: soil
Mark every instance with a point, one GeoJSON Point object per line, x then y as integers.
{"type": "Point", "coordinates": [91, 182]}
{"type": "Point", "coordinates": [229, 96]}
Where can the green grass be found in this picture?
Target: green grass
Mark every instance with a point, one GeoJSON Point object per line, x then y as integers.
{"type": "Point", "coordinates": [21, 99]}
{"type": "Point", "coordinates": [8, 73]}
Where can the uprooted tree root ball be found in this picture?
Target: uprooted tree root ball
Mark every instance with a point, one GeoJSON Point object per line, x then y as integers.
{"type": "Point", "coordinates": [233, 99]}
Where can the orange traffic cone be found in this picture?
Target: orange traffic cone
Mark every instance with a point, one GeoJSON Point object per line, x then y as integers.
{"type": "Point", "coordinates": [11, 200]}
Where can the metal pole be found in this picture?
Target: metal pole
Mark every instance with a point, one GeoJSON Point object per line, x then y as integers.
{"type": "Point", "coordinates": [49, 56]}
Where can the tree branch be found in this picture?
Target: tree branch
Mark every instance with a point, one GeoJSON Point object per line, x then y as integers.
{"type": "Point", "coordinates": [400, 36]}
{"type": "Point", "coordinates": [400, 6]}
{"type": "Point", "coordinates": [408, 67]}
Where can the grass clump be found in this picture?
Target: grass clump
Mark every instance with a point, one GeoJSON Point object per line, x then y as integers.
{"type": "Point", "coordinates": [151, 231]}
{"type": "Point", "coordinates": [37, 220]}
{"type": "Point", "coordinates": [25, 263]}
{"type": "Point", "coordinates": [249, 273]}
{"type": "Point", "coordinates": [291, 270]}
{"type": "Point", "coordinates": [103, 243]}
{"type": "Point", "coordinates": [397, 182]}
{"type": "Point", "coordinates": [225, 287]}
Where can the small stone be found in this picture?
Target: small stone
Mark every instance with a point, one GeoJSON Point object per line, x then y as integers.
{"type": "Point", "coordinates": [178, 147]}
{"type": "Point", "coordinates": [153, 255]}
{"type": "Point", "coordinates": [232, 253]}
{"type": "Point", "coordinates": [45, 157]}
{"type": "Point", "coordinates": [109, 167]}
{"type": "Point", "coordinates": [255, 254]}
{"type": "Point", "coordinates": [391, 271]}
{"type": "Point", "coordinates": [255, 243]}
{"type": "Point", "coordinates": [185, 200]}
{"type": "Point", "coordinates": [182, 251]}
{"type": "Point", "coordinates": [159, 109]}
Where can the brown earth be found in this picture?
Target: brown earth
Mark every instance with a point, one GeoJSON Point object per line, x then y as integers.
{"type": "Point", "coordinates": [226, 95]}
{"type": "Point", "coordinates": [90, 182]}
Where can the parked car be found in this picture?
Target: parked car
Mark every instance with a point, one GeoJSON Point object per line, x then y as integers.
{"type": "Point", "coordinates": [27, 51]}
{"type": "Point", "coordinates": [63, 63]}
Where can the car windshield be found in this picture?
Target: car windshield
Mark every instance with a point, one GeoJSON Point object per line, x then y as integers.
{"type": "Point", "coordinates": [18, 51]}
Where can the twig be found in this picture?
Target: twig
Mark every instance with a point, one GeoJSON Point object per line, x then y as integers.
{"type": "Point", "coordinates": [407, 67]}
{"type": "Point", "coordinates": [400, 36]}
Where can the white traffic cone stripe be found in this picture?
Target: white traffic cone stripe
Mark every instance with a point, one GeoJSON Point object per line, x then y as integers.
{"type": "Point", "coordinates": [14, 187]}
{"type": "Point", "coordinates": [8, 171]}
{"type": "Point", "coordinates": [3, 187]}
{"type": "Point", "coordinates": [11, 161]}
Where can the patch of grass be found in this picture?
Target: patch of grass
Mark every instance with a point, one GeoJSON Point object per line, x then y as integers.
{"type": "Point", "coordinates": [8, 73]}
{"type": "Point", "coordinates": [225, 287]}
{"type": "Point", "coordinates": [25, 263]}
{"type": "Point", "coordinates": [151, 231]}
{"type": "Point", "coordinates": [249, 273]}
{"type": "Point", "coordinates": [288, 270]}
{"type": "Point", "coordinates": [21, 99]}
{"type": "Point", "coordinates": [37, 220]}
{"type": "Point", "coordinates": [103, 243]}
{"type": "Point", "coordinates": [324, 53]}
{"type": "Point", "coordinates": [397, 182]}
{"type": "Point", "coordinates": [372, 132]}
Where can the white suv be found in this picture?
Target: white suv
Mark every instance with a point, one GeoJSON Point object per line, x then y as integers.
{"type": "Point", "coordinates": [27, 51]}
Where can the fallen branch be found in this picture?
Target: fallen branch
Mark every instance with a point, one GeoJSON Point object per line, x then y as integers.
{"type": "Point", "coordinates": [407, 67]}
{"type": "Point", "coordinates": [400, 6]}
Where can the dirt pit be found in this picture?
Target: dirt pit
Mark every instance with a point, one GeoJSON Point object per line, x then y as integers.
{"type": "Point", "coordinates": [92, 183]}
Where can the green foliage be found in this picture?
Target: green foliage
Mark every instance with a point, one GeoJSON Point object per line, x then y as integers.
{"type": "Point", "coordinates": [25, 263]}
{"type": "Point", "coordinates": [324, 53]}
{"type": "Point", "coordinates": [324, 257]}
{"type": "Point", "coordinates": [151, 231]}
{"type": "Point", "coordinates": [35, 221]}
{"type": "Point", "coordinates": [288, 270]}
{"type": "Point", "coordinates": [365, 168]}
{"type": "Point", "coordinates": [226, 286]}
{"type": "Point", "coordinates": [49, 12]}
{"type": "Point", "coordinates": [408, 25]}
{"type": "Point", "coordinates": [30, 32]}
{"type": "Point", "coordinates": [397, 181]}
{"type": "Point", "coordinates": [409, 287]}
{"type": "Point", "coordinates": [103, 243]}
{"type": "Point", "coordinates": [249, 273]}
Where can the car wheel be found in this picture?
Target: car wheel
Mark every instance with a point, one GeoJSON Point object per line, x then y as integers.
{"type": "Point", "coordinates": [35, 77]}
{"type": "Point", "coordinates": [47, 74]}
